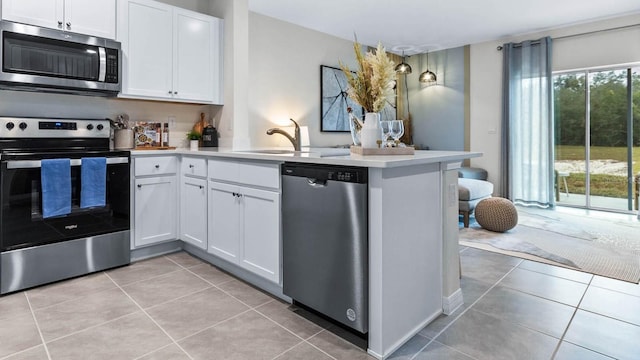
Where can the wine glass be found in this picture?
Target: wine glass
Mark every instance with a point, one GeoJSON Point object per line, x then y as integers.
{"type": "Point", "coordinates": [386, 131]}
{"type": "Point", "coordinates": [397, 130]}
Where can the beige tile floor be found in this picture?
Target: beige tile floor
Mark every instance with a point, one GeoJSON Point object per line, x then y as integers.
{"type": "Point", "coordinates": [169, 307]}
{"type": "Point", "coordinates": [178, 307]}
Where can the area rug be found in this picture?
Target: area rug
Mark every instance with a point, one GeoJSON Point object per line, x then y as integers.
{"type": "Point", "coordinates": [603, 246]}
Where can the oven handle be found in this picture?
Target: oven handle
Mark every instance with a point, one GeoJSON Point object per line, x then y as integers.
{"type": "Point", "coordinates": [31, 164]}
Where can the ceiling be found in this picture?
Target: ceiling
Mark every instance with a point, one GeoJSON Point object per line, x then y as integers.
{"type": "Point", "coordinates": [418, 26]}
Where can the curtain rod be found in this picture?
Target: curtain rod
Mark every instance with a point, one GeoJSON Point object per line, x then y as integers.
{"type": "Point", "coordinates": [587, 33]}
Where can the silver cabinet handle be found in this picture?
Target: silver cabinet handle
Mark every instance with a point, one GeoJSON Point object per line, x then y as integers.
{"type": "Point", "coordinates": [60, 24]}
{"type": "Point", "coordinates": [190, 166]}
{"type": "Point", "coordinates": [170, 92]}
{"type": "Point", "coordinates": [68, 25]}
{"type": "Point", "coordinates": [157, 166]}
{"type": "Point", "coordinates": [139, 186]}
{"type": "Point", "coordinates": [201, 187]}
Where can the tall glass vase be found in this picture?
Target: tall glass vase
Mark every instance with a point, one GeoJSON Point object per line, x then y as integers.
{"type": "Point", "coordinates": [355, 125]}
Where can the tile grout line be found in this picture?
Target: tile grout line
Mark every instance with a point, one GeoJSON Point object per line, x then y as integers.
{"type": "Point", "coordinates": [564, 333]}
{"type": "Point", "coordinates": [151, 318]}
{"type": "Point", "coordinates": [93, 292]}
{"type": "Point", "coordinates": [222, 283]}
{"type": "Point", "coordinates": [33, 314]}
{"type": "Point", "coordinates": [254, 308]}
{"type": "Point", "coordinates": [456, 350]}
{"type": "Point", "coordinates": [463, 312]}
{"type": "Point", "coordinates": [227, 293]}
{"type": "Point", "coordinates": [147, 279]}
{"type": "Point", "coordinates": [294, 334]}
{"type": "Point", "coordinates": [155, 351]}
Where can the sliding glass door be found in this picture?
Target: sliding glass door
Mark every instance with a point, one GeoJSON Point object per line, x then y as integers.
{"type": "Point", "coordinates": [597, 127]}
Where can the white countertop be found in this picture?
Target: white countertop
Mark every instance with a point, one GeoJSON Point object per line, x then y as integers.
{"type": "Point", "coordinates": [329, 156]}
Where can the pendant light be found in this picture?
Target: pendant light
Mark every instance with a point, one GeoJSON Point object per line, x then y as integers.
{"type": "Point", "coordinates": [428, 76]}
{"type": "Point", "coordinates": [403, 68]}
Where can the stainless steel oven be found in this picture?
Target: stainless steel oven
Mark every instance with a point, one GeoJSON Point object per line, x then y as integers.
{"type": "Point", "coordinates": [41, 59]}
{"type": "Point", "coordinates": [37, 248]}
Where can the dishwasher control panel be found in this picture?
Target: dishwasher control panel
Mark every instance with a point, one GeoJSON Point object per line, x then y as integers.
{"type": "Point", "coordinates": [324, 172]}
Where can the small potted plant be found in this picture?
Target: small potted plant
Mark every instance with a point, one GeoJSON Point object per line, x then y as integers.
{"type": "Point", "coordinates": [194, 138]}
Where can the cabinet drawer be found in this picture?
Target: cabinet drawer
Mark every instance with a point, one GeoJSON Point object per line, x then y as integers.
{"type": "Point", "coordinates": [246, 173]}
{"type": "Point", "coordinates": [195, 166]}
{"type": "Point", "coordinates": [155, 165]}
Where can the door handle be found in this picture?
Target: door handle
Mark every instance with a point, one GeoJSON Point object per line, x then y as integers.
{"type": "Point", "coordinates": [316, 182]}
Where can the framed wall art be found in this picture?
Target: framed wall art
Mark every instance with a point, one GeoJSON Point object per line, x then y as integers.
{"type": "Point", "coordinates": [334, 101]}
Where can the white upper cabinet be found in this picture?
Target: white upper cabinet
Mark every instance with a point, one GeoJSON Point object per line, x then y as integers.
{"type": "Point", "coordinates": [95, 17]}
{"type": "Point", "coordinates": [147, 48]}
{"type": "Point", "coordinates": [170, 53]}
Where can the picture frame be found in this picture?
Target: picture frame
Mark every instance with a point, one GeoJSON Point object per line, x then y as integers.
{"type": "Point", "coordinates": [334, 101]}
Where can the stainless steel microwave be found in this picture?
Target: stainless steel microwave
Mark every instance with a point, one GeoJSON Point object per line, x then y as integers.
{"type": "Point", "coordinates": [48, 60]}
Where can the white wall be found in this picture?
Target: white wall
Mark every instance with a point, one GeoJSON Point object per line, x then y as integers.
{"type": "Point", "coordinates": [437, 111]}
{"type": "Point", "coordinates": [592, 50]}
{"type": "Point", "coordinates": [30, 104]}
{"type": "Point", "coordinates": [284, 73]}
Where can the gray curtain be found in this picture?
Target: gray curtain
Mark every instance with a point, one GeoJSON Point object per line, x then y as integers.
{"type": "Point", "coordinates": [527, 123]}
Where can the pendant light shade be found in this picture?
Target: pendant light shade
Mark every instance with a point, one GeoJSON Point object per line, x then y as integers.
{"type": "Point", "coordinates": [428, 76]}
{"type": "Point", "coordinates": [403, 68]}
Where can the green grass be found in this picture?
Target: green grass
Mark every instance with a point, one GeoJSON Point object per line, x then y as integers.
{"type": "Point", "coordinates": [601, 184]}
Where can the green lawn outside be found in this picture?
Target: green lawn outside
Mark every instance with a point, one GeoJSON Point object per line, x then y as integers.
{"type": "Point", "coordinates": [601, 184]}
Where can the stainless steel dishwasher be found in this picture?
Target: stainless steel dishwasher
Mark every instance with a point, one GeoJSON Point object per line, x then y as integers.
{"type": "Point", "coordinates": [325, 240]}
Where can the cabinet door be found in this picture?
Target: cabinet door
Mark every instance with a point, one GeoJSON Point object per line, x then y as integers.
{"type": "Point", "coordinates": [46, 13]}
{"type": "Point", "coordinates": [155, 215]}
{"type": "Point", "coordinates": [193, 216]}
{"type": "Point", "coordinates": [224, 221]}
{"type": "Point", "coordinates": [145, 31]}
{"type": "Point", "coordinates": [261, 233]}
{"type": "Point", "coordinates": [194, 34]}
{"type": "Point", "coordinates": [95, 17]}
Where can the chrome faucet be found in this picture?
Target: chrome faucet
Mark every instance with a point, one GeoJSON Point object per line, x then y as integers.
{"type": "Point", "coordinates": [295, 140]}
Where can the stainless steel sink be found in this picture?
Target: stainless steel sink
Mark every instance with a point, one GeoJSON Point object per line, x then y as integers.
{"type": "Point", "coordinates": [274, 151]}
{"type": "Point", "coordinates": [317, 152]}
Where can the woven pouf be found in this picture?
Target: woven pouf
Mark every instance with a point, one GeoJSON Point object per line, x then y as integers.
{"type": "Point", "coordinates": [496, 214]}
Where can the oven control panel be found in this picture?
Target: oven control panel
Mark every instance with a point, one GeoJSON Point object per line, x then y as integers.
{"type": "Point", "coordinates": [53, 128]}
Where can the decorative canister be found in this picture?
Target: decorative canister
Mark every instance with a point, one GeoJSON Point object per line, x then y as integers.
{"type": "Point", "coordinates": [123, 139]}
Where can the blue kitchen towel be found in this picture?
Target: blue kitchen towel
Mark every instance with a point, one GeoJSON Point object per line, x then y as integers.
{"type": "Point", "coordinates": [55, 176]}
{"type": "Point", "coordinates": [93, 191]}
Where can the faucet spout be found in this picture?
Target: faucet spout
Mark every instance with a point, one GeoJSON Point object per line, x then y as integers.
{"type": "Point", "coordinates": [295, 139]}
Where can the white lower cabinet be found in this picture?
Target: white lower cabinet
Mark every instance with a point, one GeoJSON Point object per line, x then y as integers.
{"type": "Point", "coordinates": [193, 211]}
{"type": "Point", "coordinates": [245, 227]}
{"type": "Point", "coordinates": [155, 214]}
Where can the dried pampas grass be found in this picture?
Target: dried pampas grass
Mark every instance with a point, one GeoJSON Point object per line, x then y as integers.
{"type": "Point", "coordinates": [371, 84]}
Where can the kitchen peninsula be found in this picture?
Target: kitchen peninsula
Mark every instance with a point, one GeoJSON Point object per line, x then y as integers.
{"type": "Point", "coordinates": [412, 225]}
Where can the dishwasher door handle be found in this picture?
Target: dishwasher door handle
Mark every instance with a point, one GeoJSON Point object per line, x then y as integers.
{"type": "Point", "coordinates": [316, 182]}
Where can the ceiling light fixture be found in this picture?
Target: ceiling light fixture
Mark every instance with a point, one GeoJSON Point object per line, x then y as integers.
{"type": "Point", "coordinates": [403, 68]}
{"type": "Point", "coordinates": [428, 76]}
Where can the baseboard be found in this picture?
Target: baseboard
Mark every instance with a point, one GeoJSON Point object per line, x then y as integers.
{"type": "Point", "coordinates": [452, 302]}
{"type": "Point", "coordinates": [155, 250]}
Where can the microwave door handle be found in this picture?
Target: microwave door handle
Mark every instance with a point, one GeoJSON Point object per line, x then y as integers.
{"type": "Point", "coordinates": [103, 64]}
{"type": "Point", "coordinates": [31, 164]}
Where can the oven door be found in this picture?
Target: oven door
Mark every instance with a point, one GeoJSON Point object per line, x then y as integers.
{"type": "Point", "coordinates": [22, 223]}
